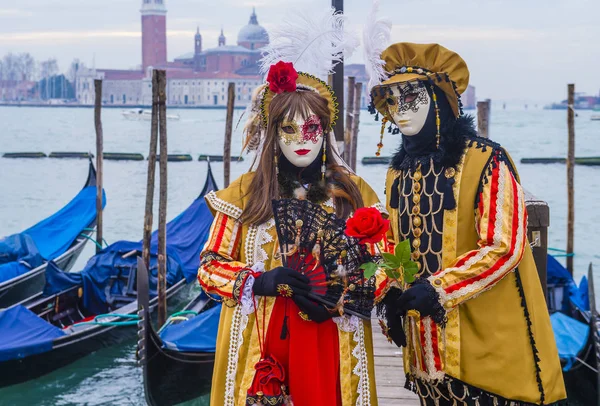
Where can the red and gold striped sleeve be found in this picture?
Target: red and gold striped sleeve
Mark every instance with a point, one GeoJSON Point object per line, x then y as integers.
{"type": "Point", "coordinates": [501, 220]}
{"type": "Point", "coordinates": [220, 270]}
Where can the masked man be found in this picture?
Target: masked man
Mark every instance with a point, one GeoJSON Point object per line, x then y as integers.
{"type": "Point", "coordinates": [474, 323]}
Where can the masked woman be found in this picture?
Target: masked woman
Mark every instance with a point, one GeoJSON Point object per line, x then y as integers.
{"type": "Point", "coordinates": [322, 359]}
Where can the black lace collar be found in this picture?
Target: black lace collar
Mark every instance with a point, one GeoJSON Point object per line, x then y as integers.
{"type": "Point", "coordinates": [452, 144]}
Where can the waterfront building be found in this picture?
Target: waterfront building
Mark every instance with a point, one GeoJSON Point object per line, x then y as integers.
{"type": "Point", "coordinates": [196, 79]}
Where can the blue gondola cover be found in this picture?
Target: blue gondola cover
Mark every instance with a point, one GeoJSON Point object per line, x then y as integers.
{"type": "Point", "coordinates": [25, 334]}
{"type": "Point", "coordinates": [198, 334]}
{"type": "Point", "coordinates": [18, 255]}
{"type": "Point", "coordinates": [577, 296]}
{"type": "Point", "coordinates": [106, 275]}
{"type": "Point", "coordinates": [571, 336]}
{"type": "Point", "coordinates": [48, 239]}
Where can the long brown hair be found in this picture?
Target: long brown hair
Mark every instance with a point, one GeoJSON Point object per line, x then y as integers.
{"type": "Point", "coordinates": [265, 187]}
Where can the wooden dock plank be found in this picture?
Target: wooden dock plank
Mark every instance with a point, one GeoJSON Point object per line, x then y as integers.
{"type": "Point", "coordinates": [389, 373]}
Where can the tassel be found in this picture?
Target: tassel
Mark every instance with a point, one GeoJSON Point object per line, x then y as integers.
{"type": "Point", "coordinates": [316, 250]}
{"type": "Point", "coordinates": [284, 328]}
{"type": "Point", "coordinates": [395, 194]}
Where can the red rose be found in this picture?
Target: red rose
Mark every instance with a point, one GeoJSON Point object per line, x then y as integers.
{"type": "Point", "coordinates": [282, 77]}
{"type": "Point", "coordinates": [368, 225]}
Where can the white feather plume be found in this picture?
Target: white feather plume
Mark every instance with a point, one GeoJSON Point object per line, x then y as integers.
{"type": "Point", "coordinates": [376, 37]}
{"type": "Point", "coordinates": [314, 41]}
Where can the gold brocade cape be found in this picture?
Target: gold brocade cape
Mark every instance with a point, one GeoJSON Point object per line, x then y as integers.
{"type": "Point", "coordinates": [486, 342]}
{"type": "Point", "coordinates": [237, 348]}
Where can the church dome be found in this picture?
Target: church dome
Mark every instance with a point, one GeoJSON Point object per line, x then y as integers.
{"type": "Point", "coordinates": [253, 32]}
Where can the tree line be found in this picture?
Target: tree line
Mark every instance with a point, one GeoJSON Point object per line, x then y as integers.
{"type": "Point", "coordinates": [49, 83]}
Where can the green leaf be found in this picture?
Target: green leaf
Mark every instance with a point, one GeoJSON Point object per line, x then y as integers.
{"type": "Point", "coordinates": [391, 260]}
{"type": "Point", "coordinates": [402, 251]}
{"type": "Point", "coordinates": [370, 268]}
{"type": "Point", "coordinates": [411, 268]}
{"type": "Point", "coordinates": [392, 273]}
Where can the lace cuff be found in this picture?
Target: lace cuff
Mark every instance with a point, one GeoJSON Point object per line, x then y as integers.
{"type": "Point", "coordinates": [245, 298]}
{"type": "Point", "coordinates": [347, 323]}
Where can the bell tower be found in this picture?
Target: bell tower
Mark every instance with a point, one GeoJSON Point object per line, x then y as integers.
{"type": "Point", "coordinates": [154, 33]}
{"type": "Point", "coordinates": [197, 42]}
{"type": "Point", "coordinates": [222, 39]}
{"type": "Point", "coordinates": [199, 60]}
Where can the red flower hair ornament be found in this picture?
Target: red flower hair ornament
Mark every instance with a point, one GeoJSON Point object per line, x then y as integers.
{"type": "Point", "coordinates": [282, 77]}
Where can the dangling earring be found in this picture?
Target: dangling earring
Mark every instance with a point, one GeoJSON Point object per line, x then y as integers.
{"type": "Point", "coordinates": [384, 121]}
{"type": "Point", "coordinates": [324, 159]}
{"type": "Point", "coordinates": [276, 159]}
{"type": "Point", "coordinates": [437, 118]}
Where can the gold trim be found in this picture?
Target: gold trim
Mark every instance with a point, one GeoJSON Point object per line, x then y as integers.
{"type": "Point", "coordinates": [305, 80]}
{"type": "Point", "coordinates": [221, 205]}
{"type": "Point", "coordinates": [450, 342]}
{"type": "Point", "coordinates": [285, 290]}
{"type": "Point", "coordinates": [304, 316]}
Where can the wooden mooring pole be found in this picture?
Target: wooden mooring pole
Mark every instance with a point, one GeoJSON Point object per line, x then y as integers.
{"type": "Point", "coordinates": [151, 173]}
{"type": "Point", "coordinates": [228, 130]}
{"type": "Point", "coordinates": [337, 82]}
{"type": "Point", "coordinates": [571, 176]}
{"type": "Point", "coordinates": [347, 154]}
{"type": "Point", "coordinates": [483, 118]}
{"type": "Point", "coordinates": [355, 124]}
{"type": "Point", "coordinates": [99, 168]}
{"type": "Point", "coordinates": [162, 199]}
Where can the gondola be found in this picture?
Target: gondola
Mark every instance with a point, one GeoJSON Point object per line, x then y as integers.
{"type": "Point", "coordinates": [60, 237]}
{"type": "Point", "coordinates": [575, 324]}
{"type": "Point", "coordinates": [176, 371]}
{"type": "Point", "coordinates": [178, 361]}
{"type": "Point", "coordinates": [78, 313]}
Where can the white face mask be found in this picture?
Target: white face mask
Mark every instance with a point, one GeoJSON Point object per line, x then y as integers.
{"type": "Point", "coordinates": [409, 107]}
{"type": "Point", "coordinates": [301, 140]}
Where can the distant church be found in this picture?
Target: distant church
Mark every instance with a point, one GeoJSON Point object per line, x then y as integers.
{"type": "Point", "coordinates": [240, 59]}
{"type": "Point", "coordinates": [198, 78]}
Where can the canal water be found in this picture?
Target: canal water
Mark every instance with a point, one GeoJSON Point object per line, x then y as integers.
{"type": "Point", "coordinates": [35, 188]}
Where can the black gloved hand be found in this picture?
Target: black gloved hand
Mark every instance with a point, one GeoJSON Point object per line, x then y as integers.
{"type": "Point", "coordinates": [280, 281]}
{"type": "Point", "coordinates": [394, 320]}
{"type": "Point", "coordinates": [315, 311]}
{"type": "Point", "coordinates": [423, 297]}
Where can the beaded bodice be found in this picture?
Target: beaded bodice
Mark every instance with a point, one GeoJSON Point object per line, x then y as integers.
{"type": "Point", "coordinates": [421, 214]}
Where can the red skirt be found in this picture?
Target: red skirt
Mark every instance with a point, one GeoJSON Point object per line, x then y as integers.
{"type": "Point", "coordinates": [309, 354]}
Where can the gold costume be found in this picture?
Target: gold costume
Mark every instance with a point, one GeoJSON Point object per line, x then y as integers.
{"type": "Point", "coordinates": [488, 284]}
{"type": "Point", "coordinates": [233, 248]}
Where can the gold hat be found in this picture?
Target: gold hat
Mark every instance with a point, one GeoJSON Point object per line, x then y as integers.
{"type": "Point", "coordinates": [406, 62]}
{"type": "Point", "coordinates": [303, 81]}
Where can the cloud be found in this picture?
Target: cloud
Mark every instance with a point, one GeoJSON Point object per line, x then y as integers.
{"type": "Point", "coordinates": [434, 33]}
{"type": "Point", "coordinates": [78, 36]}
{"type": "Point", "coordinates": [14, 12]}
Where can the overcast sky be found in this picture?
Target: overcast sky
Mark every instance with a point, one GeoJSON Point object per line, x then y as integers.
{"type": "Point", "coordinates": [515, 49]}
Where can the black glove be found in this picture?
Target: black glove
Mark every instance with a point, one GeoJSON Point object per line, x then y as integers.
{"type": "Point", "coordinates": [421, 296]}
{"type": "Point", "coordinates": [281, 281]}
{"type": "Point", "coordinates": [315, 311]}
{"type": "Point", "coordinates": [394, 321]}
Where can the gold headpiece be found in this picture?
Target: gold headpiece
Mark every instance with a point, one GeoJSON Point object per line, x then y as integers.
{"type": "Point", "coordinates": [430, 63]}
